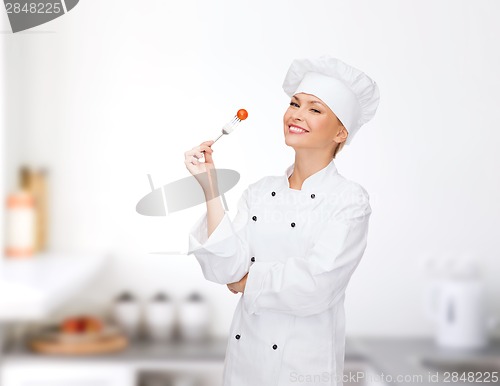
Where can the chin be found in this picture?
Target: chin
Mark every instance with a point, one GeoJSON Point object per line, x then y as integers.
{"type": "Point", "coordinates": [295, 144]}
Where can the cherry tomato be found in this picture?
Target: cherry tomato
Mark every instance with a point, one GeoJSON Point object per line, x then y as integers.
{"type": "Point", "coordinates": [70, 326]}
{"type": "Point", "coordinates": [242, 114]}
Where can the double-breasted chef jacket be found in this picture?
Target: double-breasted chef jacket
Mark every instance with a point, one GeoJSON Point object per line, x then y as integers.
{"type": "Point", "coordinates": [300, 248]}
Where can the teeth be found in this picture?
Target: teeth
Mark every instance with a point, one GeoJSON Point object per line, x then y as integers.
{"type": "Point", "coordinates": [296, 129]}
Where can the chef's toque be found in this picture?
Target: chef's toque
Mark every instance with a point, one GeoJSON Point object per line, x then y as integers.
{"type": "Point", "coordinates": [349, 93]}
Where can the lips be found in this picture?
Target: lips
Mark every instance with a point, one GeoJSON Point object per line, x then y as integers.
{"type": "Point", "coordinates": [294, 129]}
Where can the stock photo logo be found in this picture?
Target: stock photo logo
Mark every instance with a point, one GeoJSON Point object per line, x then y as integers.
{"type": "Point", "coordinates": [26, 14]}
{"type": "Point", "coordinates": [184, 193]}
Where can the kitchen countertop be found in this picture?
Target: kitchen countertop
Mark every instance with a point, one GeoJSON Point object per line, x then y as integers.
{"type": "Point", "coordinates": [393, 357]}
{"type": "Point", "coordinates": [389, 358]}
{"type": "Point", "coordinates": [140, 350]}
{"type": "Point", "coordinates": [211, 349]}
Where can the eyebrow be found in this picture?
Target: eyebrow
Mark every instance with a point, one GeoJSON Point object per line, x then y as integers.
{"type": "Point", "coordinates": [318, 102]}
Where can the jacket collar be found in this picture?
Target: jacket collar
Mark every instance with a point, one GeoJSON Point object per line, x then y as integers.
{"type": "Point", "coordinates": [314, 180]}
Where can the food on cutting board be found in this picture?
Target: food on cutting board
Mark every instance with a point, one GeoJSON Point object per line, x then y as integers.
{"type": "Point", "coordinates": [78, 335]}
{"type": "Point", "coordinates": [81, 325]}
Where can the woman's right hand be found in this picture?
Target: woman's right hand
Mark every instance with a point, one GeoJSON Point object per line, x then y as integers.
{"type": "Point", "coordinates": [191, 160]}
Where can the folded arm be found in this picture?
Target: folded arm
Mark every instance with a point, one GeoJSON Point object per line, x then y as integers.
{"type": "Point", "coordinates": [307, 285]}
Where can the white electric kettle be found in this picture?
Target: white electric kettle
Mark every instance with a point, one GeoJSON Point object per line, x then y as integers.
{"type": "Point", "coordinates": [456, 304]}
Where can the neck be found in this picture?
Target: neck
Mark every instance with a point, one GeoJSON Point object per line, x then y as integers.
{"type": "Point", "coordinates": [306, 164]}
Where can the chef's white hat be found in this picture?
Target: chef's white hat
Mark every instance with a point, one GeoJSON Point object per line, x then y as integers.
{"type": "Point", "coordinates": [350, 93]}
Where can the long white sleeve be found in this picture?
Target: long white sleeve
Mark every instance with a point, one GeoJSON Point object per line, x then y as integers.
{"type": "Point", "coordinates": [224, 256]}
{"type": "Point", "coordinates": [308, 285]}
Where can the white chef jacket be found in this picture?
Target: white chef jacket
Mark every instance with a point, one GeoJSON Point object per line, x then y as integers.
{"type": "Point", "coordinates": [300, 248]}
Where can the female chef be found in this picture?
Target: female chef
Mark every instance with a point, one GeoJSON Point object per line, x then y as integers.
{"type": "Point", "coordinates": [295, 240]}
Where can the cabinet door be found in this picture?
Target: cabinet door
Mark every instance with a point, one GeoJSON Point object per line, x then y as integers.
{"type": "Point", "coordinates": [66, 374]}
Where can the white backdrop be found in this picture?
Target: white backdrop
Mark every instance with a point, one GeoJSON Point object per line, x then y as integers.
{"type": "Point", "coordinates": [117, 89]}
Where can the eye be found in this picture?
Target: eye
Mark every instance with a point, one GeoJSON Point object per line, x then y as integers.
{"type": "Point", "coordinates": [315, 111]}
{"type": "Point", "coordinates": [294, 104]}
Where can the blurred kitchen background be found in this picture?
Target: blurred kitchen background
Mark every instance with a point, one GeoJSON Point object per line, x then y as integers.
{"type": "Point", "coordinates": [94, 101]}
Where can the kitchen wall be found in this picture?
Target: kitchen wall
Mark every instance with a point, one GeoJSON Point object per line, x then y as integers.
{"type": "Point", "coordinates": [3, 91]}
{"type": "Point", "coordinates": [115, 90]}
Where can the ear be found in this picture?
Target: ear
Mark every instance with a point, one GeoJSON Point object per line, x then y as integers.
{"type": "Point", "coordinates": [341, 134]}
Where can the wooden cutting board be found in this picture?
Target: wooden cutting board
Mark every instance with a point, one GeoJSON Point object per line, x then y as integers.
{"type": "Point", "coordinates": [103, 345]}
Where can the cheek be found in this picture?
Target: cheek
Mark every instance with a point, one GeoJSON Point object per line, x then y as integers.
{"type": "Point", "coordinates": [287, 115]}
{"type": "Point", "coordinates": [323, 126]}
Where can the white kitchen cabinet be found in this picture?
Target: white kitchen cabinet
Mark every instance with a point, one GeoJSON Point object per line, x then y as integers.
{"type": "Point", "coordinates": [67, 374]}
{"type": "Point", "coordinates": [142, 361]}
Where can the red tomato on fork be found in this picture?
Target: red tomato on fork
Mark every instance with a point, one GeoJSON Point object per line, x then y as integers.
{"type": "Point", "coordinates": [242, 114]}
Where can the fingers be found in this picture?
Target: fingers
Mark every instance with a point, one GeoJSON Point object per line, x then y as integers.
{"type": "Point", "coordinates": [192, 157]}
{"type": "Point", "coordinates": [208, 143]}
{"type": "Point", "coordinates": [191, 160]}
{"type": "Point", "coordinates": [204, 146]}
{"type": "Point", "coordinates": [198, 150]}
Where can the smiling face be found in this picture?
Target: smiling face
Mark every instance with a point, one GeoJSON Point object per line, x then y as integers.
{"type": "Point", "coordinates": [310, 124]}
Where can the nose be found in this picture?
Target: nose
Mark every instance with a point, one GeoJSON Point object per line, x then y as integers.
{"type": "Point", "coordinates": [297, 115]}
